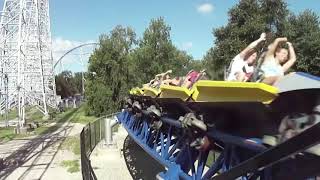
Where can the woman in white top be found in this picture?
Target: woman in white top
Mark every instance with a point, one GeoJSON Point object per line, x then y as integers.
{"type": "Point", "coordinates": [277, 61]}
{"type": "Point", "coordinates": [242, 65]}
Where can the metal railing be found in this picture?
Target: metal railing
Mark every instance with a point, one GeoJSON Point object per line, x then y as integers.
{"type": "Point", "coordinates": [90, 136]}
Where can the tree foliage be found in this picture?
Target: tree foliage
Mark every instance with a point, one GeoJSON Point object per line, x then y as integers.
{"type": "Point", "coordinates": [304, 32]}
{"type": "Point", "coordinates": [67, 84]}
{"type": "Point", "coordinates": [122, 62]}
{"type": "Point", "coordinates": [249, 18]}
{"type": "Point", "coordinates": [109, 71]}
{"type": "Point", "coordinates": [77, 79]}
{"type": "Point", "coordinates": [156, 53]}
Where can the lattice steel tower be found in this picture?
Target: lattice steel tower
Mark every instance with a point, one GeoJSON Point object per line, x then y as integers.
{"type": "Point", "coordinates": [26, 63]}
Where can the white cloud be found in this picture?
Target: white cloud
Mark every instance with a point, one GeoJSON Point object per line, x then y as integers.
{"type": "Point", "coordinates": [72, 60]}
{"type": "Point", "coordinates": [59, 44]}
{"type": "Point", "coordinates": [205, 8]}
{"type": "Point", "coordinates": [186, 46]}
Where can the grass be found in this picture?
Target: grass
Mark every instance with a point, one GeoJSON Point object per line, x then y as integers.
{"type": "Point", "coordinates": [72, 165]}
{"type": "Point", "coordinates": [43, 130]}
{"type": "Point", "coordinates": [11, 115]}
{"type": "Point", "coordinates": [81, 117]}
{"type": "Point", "coordinates": [7, 134]}
{"type": "Point", "coordinates": [32, 114]}
{"type": "Point", "coordinates": [72, 143]}
{"type": "Point", "coordinates": [59, 120]}
{"type": "Point", "coordinates": [77, 115]}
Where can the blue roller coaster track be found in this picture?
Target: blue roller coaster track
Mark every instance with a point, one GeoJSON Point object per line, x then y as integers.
{"type": "Point", "coordinates": [192, 141]}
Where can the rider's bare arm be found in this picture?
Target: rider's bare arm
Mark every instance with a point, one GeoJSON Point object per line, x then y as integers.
{"type": "Point", "coordinates": [291, 60]}
{"type": "Point", "coordinates": [252, 45]}
{"type": "Point", "coordinates": [273, 47]}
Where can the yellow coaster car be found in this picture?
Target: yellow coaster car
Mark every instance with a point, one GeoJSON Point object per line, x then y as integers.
{"type": "Point", "coordinates": [221, 91]}
{"type": "Point", "coordinates": [245, 109]}
{"type": "Point", "coordinates": [182, 93]}
{"type": "Point", "coordinates": [152, 92]}
{"type": "Point", "coordinates": [136, 91]}
{"type": "Point", "coordinates": [224, 91]}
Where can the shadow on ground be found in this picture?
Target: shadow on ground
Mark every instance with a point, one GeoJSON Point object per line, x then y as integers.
{"type": "Point", "coordinates": [35, 148]}
{"type": "Point", "coordinates": [139, 163]}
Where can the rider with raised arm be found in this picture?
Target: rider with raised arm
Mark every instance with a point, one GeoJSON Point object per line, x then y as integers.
{"type": "Point", "coordinates": [241, 67]}
{"type": "Point", "coordinates": [186, 81]}
{"type": "Point", "coordinates": [276, 62]}
{"type": "Point", "coordinates": [159, 78]}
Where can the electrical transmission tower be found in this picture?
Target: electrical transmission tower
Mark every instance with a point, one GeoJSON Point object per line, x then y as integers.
{"type": "Point", "coordinates": [26, 64]}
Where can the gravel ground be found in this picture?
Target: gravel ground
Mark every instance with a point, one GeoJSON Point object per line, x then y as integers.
{"type": "Point", "coordinates": [38, 157]}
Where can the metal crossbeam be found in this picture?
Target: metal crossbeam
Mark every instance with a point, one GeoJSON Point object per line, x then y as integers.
{"type": "Point", "coordinates": [172, 149]}
{"type": "Point", "coordinates": [171, 146]}
{"type": "Point", "coordinates": [303, 141]}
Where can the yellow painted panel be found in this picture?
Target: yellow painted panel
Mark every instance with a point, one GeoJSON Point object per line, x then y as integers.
{"type": "Point", "coordinates": [175, 92]}
{"type": "Point", "coordinates": [225, 91]}
{"type": "Point", "coordinates": [148, 91]}
{"type": "Point", "coordinates": [136, 91]}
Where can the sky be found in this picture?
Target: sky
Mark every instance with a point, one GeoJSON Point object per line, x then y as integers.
{"type": "Point", "coordinates": [78, 21]}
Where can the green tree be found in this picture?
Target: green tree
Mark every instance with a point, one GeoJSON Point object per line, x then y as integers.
{"type": "Point", "coordinates": [157, 54]}
{"type": "Point", "coordinates": [110, 71]}
{"type": "Point", "coordinates": [247, 20]}
{"type": "Point", "coordinates": [304, 32]}
{"type": "Point", "coordinates": [65, 85]}
{"type": "Point", "coordinates": [77, 79]}
{"type": "Point", "coordinates": [197, 65]}
{"type": "Point", "coordinates": [116, 66]}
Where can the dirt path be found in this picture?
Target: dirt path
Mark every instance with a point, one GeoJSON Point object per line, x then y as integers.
{"type": "Point", "coordinates": [38, 157]}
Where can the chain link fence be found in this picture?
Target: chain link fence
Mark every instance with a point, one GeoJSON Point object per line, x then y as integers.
{"type": "Point", "coordinates": [90, 136]}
